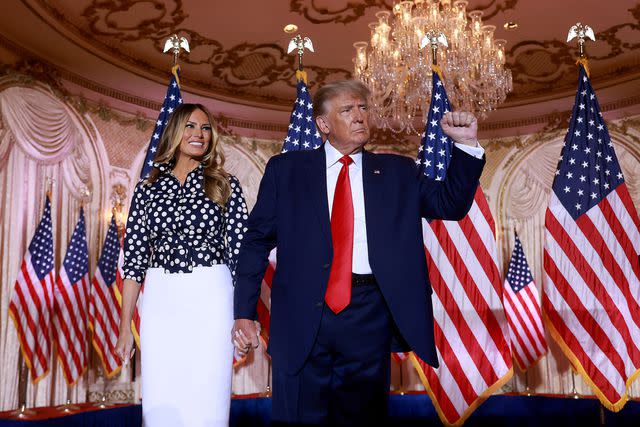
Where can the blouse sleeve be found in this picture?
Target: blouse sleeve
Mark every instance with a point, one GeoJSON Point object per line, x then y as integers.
{"type": "Point", "coordinates": [235, 218]}
{"type": "Point", "coordinates": [137, 246]}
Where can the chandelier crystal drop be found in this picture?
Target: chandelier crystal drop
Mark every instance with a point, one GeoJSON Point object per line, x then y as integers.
{"type": "Point", "coordinates": [398, 72]}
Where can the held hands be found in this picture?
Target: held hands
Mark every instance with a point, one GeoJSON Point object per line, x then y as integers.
{"type": "Point", "coordinates": [460, 126]}
{"type": "Point", "coordinates": [124, 347]}
{"type": "Point", "coordinates": [244, 336]}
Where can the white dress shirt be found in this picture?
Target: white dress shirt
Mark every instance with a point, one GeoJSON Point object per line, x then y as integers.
{"type": "Point", "coordinates": [360, 261]}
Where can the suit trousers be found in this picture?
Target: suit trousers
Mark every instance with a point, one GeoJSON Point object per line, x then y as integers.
{"type": "Point", "coordinates": [345, 379]}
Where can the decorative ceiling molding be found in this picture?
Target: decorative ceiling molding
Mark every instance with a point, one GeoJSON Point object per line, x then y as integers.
{"type": "Point", "coordinates": [540, 67]}
{"type": "Point", "coordinates": [246, 69]}
{"type": "Point", "coordinates": [239, 72]}
{"type": "Point", "coordinates": [346, 11]}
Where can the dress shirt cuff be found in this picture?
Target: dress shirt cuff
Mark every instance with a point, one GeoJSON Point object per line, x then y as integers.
{"type": "Point", "coordinates": [476, 151]}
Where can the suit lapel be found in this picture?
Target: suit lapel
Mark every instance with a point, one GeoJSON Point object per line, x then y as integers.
{"type": "Point", "coordinates": [372, 176]}
{"type": "Point", "coordinates": [317, 180]}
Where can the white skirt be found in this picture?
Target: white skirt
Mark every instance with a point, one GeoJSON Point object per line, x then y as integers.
{"type": "Point", "coordinates": [186, 350]}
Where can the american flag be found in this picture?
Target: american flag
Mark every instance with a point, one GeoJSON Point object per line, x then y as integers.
{"type": "Point", "coordinates": [104, 308]}
{"type": "Point", "coordinates": [523, 311]}
{"type": "Point", "coordinates": [470, 330]}
{"type": "Point", "coordinates": [71, 298]}
{"type": "Point", "coordinates": [171, 100]}
{"type": "Point", "coordinates": [301, 135]}
{"type": "Point", "coordinates": [591, 271]}
{"type": "Point", "coordinates": [32, 300]}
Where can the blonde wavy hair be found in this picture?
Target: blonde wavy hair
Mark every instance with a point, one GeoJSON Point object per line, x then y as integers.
{"type": "Point", "coordinates": [216, 179]}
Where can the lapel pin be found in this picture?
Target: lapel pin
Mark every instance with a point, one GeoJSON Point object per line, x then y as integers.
{"type": "Point", "coordinates": [376, 171]}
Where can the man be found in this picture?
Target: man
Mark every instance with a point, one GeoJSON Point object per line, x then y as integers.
{"type": "Point", "coordinates": [351, 273]}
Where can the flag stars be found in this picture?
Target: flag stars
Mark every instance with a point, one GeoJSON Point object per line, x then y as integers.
{"type": "Point", "coordinates": [583, 178]}
{"type": "Point", "coordinates": [567, 189]}
{"type": "Point", "coordinates": [572, 161]}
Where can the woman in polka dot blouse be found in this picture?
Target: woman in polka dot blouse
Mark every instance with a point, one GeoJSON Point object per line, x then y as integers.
{"type": "Point", "coordinates": [182, 240]}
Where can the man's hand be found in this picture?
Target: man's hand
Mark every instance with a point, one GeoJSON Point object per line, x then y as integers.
{"type": "Point", "coordinates": [244, 335]}
{"type": "Point", "coordinates": [460, 126]}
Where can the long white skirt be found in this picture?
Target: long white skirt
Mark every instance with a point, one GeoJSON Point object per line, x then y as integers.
{"type": "Point", "coordinates": [186, 349]}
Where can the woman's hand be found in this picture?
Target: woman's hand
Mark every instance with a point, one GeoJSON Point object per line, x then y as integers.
{"type": "Point", "coordinates": [124, 346]}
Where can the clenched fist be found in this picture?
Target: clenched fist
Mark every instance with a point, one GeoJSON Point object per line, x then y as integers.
{"type": "Point", "coordinates": [461, 126]}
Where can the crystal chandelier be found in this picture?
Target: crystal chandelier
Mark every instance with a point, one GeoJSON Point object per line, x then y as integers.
{"type": "Point", "coordinates": [398, 72]}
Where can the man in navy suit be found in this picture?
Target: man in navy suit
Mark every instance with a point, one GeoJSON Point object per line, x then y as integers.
{"type": "Point", "coordinates": [351, 274]}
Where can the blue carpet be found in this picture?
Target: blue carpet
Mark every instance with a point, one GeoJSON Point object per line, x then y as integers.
{"type": "Point", "coordinates": [406, 411]}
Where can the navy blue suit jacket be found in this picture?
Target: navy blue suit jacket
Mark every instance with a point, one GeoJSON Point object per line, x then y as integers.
{"type": "Point", "coordinates": [292, 213]}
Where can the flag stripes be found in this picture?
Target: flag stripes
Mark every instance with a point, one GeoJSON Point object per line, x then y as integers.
{"type": "Point", "coordinates": [30, 309]}
{"type": "Point", "coordinates": [523, 311]}
{"type": "Point", "coordinates": [31, 304]}
{"type": "Point", "coordinates": [104, 308]}
{"type": "Point", "coordinates": [71, 299]}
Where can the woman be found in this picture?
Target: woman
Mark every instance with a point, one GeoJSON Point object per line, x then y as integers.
{"type": "Point", "coordinates": [183, 236]}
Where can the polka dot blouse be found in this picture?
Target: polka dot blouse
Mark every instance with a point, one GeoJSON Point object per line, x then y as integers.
{"type": "Point", "coordinates": [177, 227]}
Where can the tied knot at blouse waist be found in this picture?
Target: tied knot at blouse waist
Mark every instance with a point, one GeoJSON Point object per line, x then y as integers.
{"type": "Point", "coordinates": [178, 253]}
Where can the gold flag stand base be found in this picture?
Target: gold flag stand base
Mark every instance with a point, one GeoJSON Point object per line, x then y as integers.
{"type": "Point", "coordinates": [67, 408]}
{"type": "Point", "coordinates": [23, 413]}
{"type": "Point", "coordinates": [103, 403]}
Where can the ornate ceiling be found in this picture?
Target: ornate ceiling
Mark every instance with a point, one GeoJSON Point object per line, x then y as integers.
{"type": "Point", "coordinates": [238, 47]}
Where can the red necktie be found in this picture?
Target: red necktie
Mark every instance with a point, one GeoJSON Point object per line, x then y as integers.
{"type": "Point", "coordinates": [338, 293]}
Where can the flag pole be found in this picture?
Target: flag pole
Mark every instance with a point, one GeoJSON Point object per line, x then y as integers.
{"type": "Point", "coordinates": [582, 32]}
{"type": "Point", "coordinates": [433, 39]}
{"type": "Point", "coordinates": [22, 412]}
